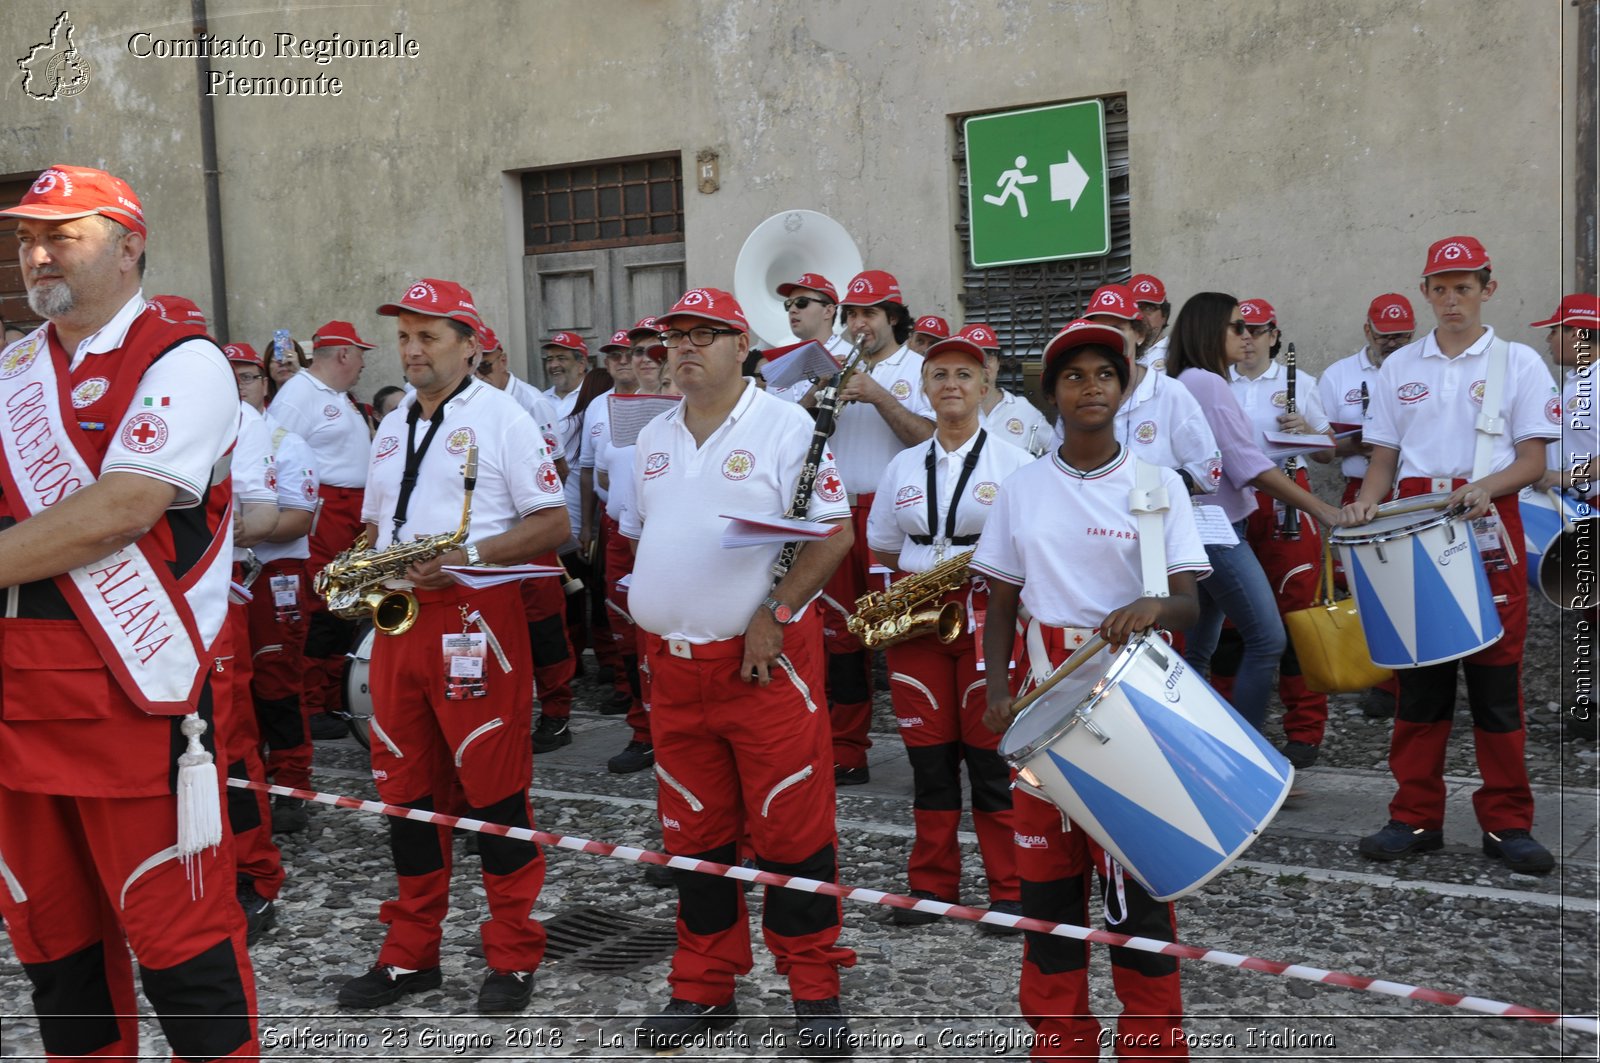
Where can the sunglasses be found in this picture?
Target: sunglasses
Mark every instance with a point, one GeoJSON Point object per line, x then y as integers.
{"type": "Point", "coordinates": [1261, 330]}
{"type": "Point", "coordinates": [800, 302]}
{"type": "Point", "coordinates": [247, 378]}
{"type": "Point", "coordinates": [1238, 328]}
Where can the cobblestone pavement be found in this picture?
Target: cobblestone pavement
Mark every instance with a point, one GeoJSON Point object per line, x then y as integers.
{"type": "Point", "coordinates": [1451, 920]}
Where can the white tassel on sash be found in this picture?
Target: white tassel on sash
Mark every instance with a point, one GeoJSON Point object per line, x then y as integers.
{"type": "Point", "coordinates": [199, 800]}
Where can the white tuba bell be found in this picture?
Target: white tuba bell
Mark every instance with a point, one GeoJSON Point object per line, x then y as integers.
{"type": "Point", "coordinates": [778, 251]}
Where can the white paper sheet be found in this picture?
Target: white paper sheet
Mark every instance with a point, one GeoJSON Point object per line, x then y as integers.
{"type": "Point", "coordinates": [1214, 527]}
{"type": "Point", "coordinates": [746, 529]}
{"type": "Point", "coordinates": [494, 575]}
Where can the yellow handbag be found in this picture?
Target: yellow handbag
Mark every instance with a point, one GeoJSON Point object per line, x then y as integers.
{"type": "Point", "coordinates": [1329, 641]}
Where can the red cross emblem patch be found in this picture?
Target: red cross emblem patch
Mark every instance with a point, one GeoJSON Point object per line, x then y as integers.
{"type": "Point", "coordinates": [549, 482]}
{"type": "Point", "coordinates": [829, 487]}
{"type": "Point", "coordinates": [144, 434]}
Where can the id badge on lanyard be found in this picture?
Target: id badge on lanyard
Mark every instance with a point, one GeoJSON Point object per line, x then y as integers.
{"type": "Point", "coordinates": [1492, 545]}
{"type": "Point", "coordinates": [464, 674]}
{"type": "Point", "coordinates": [285, 597]}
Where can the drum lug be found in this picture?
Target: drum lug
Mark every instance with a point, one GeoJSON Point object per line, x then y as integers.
{"type": "Point", "coordinates": [1378, 549]}
{"type": "Point", "coordinates": [1090, 726]}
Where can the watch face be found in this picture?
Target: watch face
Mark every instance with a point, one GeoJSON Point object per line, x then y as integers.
{"type": "Point", "coordinates": [782, 613]}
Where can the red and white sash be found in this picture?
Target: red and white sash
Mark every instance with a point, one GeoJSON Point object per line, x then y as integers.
{"type": "Point", "coordinates": [153, 632]}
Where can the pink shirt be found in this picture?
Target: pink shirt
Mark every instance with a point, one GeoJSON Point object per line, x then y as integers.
{"type": "Point", "coordinates": [1242, 459]}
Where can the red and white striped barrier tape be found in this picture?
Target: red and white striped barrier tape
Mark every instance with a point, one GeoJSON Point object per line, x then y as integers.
{"type": "Point", "coordinates": [1580, 1023]}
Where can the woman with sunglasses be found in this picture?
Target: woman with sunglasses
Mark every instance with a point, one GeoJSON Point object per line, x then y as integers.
{"type": "Point", "coordinates": [1209, 336]}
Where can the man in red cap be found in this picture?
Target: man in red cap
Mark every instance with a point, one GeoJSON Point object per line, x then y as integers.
{"type": "Point", "coordinates": [1429, 425]}
{"type": "Point", "coordinates": [1570, 463]}
{"type": "Point", "coordinates": [812, 304]}
{"type": "Point", "coordinates": [882, 410]}
{"type": "Point", "coordinates": [928, 330]}
{"type": "Point", "coordinates": [1346, 390]}
{"type": "Point", "coordinates": [1151, 297]}
{"type": "Point", "coordinates": [113, 560]}
{"type": "Point", "coordinates": [736, 669]}
{"type": "Point", "coordinates": [452, 699]}
{"type": "Point", "coordinates": [317, 406]}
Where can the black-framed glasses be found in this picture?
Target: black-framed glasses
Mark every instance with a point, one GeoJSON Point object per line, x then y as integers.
{"type": "Point", "coordinates": [1239, 328]}
{"type": "Point", "coordinates": [704, 336]}
{"type": "Point", "coordinates": [248, 378]}
{"type": "Point", "coordinates": [800, 302]}
{"type": "Point", "coordinates": [1261, 330]}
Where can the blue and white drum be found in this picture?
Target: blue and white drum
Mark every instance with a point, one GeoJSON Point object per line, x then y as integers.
{"type": "Point", "coordinates": [1560, 546]}
{"type": "Point", "coordinates": [1143, 755]}
{"type": "Point", "coordinates": [1419, 584]}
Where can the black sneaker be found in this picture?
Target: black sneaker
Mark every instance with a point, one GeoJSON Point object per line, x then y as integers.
{"type": "Point", "coordinates": [913, 917]}
{"type": "Point", "coordinates": [680, 1021]}
{"type": "Point", "coordinates": [821, 1031]}
{"type": "Point", "coordinates": [618, 704]}
{"type": "Point", "coordinates": [550, 733]}
{"type": "Point", "coordinates": [1378, 705]}
{"type": "Point", "coordinates": [843, 776]}
{"type": "Point", "coordinates": [260, 915]}
{"type": "Point", "coordinates": [1000, 929]}
{"type": "Point", "coordinates": [505, 992]}
{"type": "Point", "coordinates": [326, 727]}
{"type": "Point", "coordinates": [635, 756]}
{"type": "Point", "coordinates": [1400, 839]}
{"type": "Point", "coordinates": [385, 985]}
{"type": "Point", "coordinates": [289, 815]}
{"type": "Point", "coordinates": [1301, 754]}
{"type": "Point", "coordinates": [1518, 850]}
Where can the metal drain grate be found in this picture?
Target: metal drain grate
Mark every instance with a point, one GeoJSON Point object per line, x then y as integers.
{"type": "Point", "coordinates": [595, 939]}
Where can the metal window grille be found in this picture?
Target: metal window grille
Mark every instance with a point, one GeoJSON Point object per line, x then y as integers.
{"type": "Point", "coordinates": [613, 203]}
{"type": "Point", "coordinates": [1027, 304]}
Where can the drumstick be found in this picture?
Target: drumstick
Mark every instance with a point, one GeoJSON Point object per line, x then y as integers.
{"type": "Point", "coordinates": [1070, 665]}
{"type": "Point", "coordinates": [1414, 507]}
{"type": "Point", "coordinates": [1561, 509]}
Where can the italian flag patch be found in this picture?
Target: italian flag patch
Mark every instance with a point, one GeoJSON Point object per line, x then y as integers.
{"type": "Point", "coordinates": [158, 400]}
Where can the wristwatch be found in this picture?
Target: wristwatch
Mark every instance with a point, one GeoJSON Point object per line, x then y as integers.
{"type": "Point", "coordinates": [780, 612]}
{"type": "Point", "coordinates": [471, 550]}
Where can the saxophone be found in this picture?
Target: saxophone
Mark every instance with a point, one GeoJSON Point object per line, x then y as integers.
{"type": "Point", "coordinates": [352, 583]}
{"type": "Point", "coordinates": [909, 607]}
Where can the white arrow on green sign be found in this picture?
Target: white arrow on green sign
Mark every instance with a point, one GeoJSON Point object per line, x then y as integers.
{"type": "Point", "coordinates": [1036, 184]}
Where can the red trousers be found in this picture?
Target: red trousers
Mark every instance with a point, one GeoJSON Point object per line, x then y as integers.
{"type": "Point", "coordinates": [1054, 860]}
{"type": "Point", "coordinates": [249, 812]}
{"type": "Point", "coordinates": [619, 564]}
{"type": "Point", "coordinates": [329, 638]}
{"type": "Point", "coordinates": [939, 701]}
{"type": "Point", "coordinates": [1427, 704]}
{"type": "Point", "coordinates": [732, 758]}
{"type": "Point", "coordinates": [423, 740]}
{"type": "Point", "coordinates": [1293, 567]}
{"type": "Point", "coordinates": [544, 607]}
{"type": "Point", "coordinates": [849, 665]}
{"type": "Point", "coordinates": [277, 665]}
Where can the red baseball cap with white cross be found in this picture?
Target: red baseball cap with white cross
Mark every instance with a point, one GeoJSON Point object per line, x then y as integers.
{"type": "Point", "coordinates": [871, 287]}
{"type": "Point", "coordinates": [1114, 300]}
{"type": "Point", "coordinates": [1147, 288]}
{"type": "Point", "coordinates": [1391, 312]}
{"type": "Point", "coordinates": [815, 282]}
{"type": "Point", "coordinates": [954, 345]}
{"type": "Point", "coordinates": [618, 342]}
{"type": "Point", "coordinates": [436, 298]}
{"type": "Point", "coordinates": [243, 354]}
{"type": "Point", "coordinates": [490, 341]}
{"type": "Point", "coordinates": [339, 334]}
{"type": "Point", "coordinates": [1455, 253]}
{"type": "Point", "coordinates": [1578, 310]}
{"type": "Point", "coordinates": [712, 304]}
{"type": "Point", "coordinates": [1080, 333]}
{"type": "Point", "coordinates": [645, 326]}
{"type": "Point", "coordinates": [932, 325]}
{"type": "Point", "coordinates": [62, 193]}
{"type": "Point", "coordinates": [1257, 312]}
{"type": "Point", "coordinates": [570, 341]}
{"type": "Point", "coordinates": [982, 335]}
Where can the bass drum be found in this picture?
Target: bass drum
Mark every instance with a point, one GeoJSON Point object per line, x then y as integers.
{"type": "Point", "coordinates": [358, 686]}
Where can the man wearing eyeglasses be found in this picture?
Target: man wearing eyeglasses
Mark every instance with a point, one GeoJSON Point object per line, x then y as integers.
{"type": "Point", "coordinates": [1150, 295]}
{"type": "Point", "coordinates": [812, 305]}
{"type": "Point", "coordinates": [1347, 386]}
{"type": "Point", "coordinates": [736, 667]}
{"type": "Point", "coordinates": [317, 406]}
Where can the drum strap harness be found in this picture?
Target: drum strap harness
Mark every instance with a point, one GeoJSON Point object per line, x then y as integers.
{"type": "Point", "coordinates": [1491, 418]}
{"type": "Point", "coordinates": [931, 464]}
{"type": "Point", "coordinates": [1148, 501]}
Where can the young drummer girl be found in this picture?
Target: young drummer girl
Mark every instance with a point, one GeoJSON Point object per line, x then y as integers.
{"type": "Point", "coordinates": [1077, 571]}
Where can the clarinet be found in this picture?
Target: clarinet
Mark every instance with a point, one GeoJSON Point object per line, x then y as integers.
{"type": "Point", "coordinates": [1290, 528]}
{"type": "Point", "coordinates": [827, 411]}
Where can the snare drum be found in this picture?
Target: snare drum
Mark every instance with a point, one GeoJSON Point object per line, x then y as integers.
{"type": "Point", "coordinates": [1419, 585]}
{"type": "Point", "coordinates": [1554, 540]}
{"type": "Point", "coordinates": [1152, 763]}
{"type": "Point", "coordinates": [358, 686]}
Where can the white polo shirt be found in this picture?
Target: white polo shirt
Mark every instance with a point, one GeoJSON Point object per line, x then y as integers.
{"type": "Point", "coordinates": [619, 471]}
{"type": "Point", "coordinates": [1018, 422]}
{"type": "Point", "coordinates": [685, 586]}
{"type": "Point", "coordinates": [1165, 426]}
{"type": "Point", "coordinates": [1580, 425]}
{"type": "Point", "coordinates": [1154, 357]}
{"type": "Point", "coordinates": [254, 479]}
{"type": "Point", "coordinates": [1266, 398]}
{"type": "Point", "coordinates": [1082, 562]}
{"type": "Point", "coordinates": [596, 438]}
{"type": "Point", "coordinates": [297, 489]}
{"type": "Point", "coordinates": [329, 421]}
{"type": "Point", "coordinates": [1341, 396]}
{"type": "Point", "coordinates": [541, 409]}
{"type": "Point", "coordinates": [900, 507]}
{"type": "Point", "coordinates": [1426, 406]}
{"type": "Point", "coordinates": [516, 475]}
{"type": "Point", "coordinates": [863, 440]}
{"type": "Point", "coordinates": [182, 418]}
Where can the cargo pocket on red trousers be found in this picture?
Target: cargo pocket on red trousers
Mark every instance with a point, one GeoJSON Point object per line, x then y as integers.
{"type": "Point", "coordinates": [51, 670]}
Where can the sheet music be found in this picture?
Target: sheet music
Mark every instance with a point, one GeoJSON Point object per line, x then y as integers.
{"type": "Point", "coordinates": [493, 575]}
{"type": "Point", "coordinates": [628, 414]}
{"type": "Point", "coordinates": [805, 361]}
{"type": "Point", "coordinates": [1214, 527]}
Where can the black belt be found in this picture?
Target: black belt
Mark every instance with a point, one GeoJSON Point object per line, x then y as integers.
{"type": "Point", "coordinates": [957, 540]}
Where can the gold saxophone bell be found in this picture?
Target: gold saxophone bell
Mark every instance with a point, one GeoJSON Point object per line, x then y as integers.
{"type": "Point", "coordinates": [910, 608]}
{"type": "Point", "coordinates": [393, 612]}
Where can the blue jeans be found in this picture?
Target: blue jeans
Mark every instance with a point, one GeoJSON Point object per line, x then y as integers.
{"type": "Point", "coordinates": [1238, 589]}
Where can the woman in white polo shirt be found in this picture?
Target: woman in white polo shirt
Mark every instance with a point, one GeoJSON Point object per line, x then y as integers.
{"type": "Point", "coordinates": [930, 505]}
